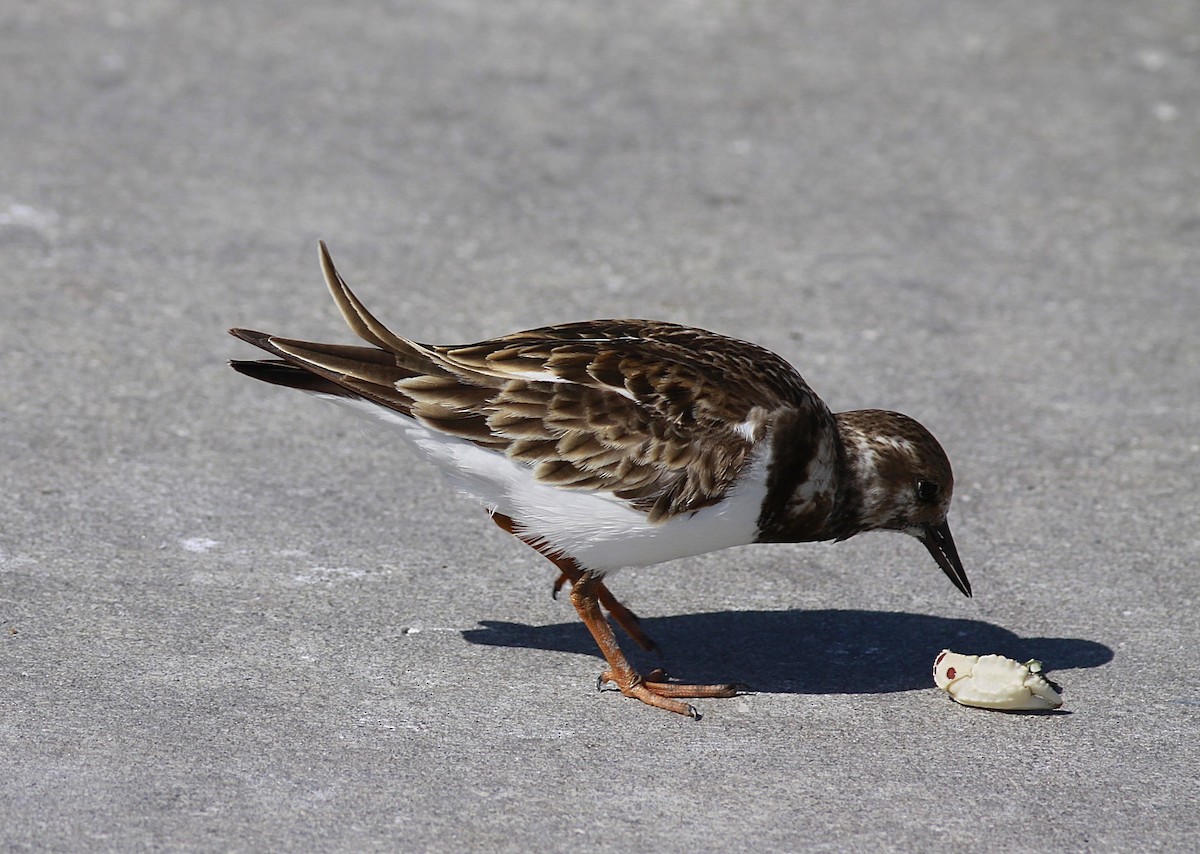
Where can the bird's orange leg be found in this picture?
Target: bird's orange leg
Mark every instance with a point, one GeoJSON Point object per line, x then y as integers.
{"type": "Point", "coordinates": [661, 695]}
{"type": "Point", "coordinates": [570, 571]}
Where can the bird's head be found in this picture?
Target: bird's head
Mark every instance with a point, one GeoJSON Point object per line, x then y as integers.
{"type": "Point", "coordinates": [902, 482]}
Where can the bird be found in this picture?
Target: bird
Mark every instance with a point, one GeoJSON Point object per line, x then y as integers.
{"type": "Point", "coordinates": [606, 444]}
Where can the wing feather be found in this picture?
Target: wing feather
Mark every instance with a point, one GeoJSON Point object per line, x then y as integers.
{"type": "Point", "coordinates": [662, 416]}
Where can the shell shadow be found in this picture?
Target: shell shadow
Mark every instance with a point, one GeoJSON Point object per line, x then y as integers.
{"type": "Point", "coordinates": [804, 652]}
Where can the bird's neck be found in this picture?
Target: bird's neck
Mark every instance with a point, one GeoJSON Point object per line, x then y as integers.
{"type": "Point", "coordinates": [862, 490]}
{"type": "Point", "coordinates": [805, 479]}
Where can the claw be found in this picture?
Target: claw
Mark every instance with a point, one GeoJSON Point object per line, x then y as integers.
{"type": "Point", "coordinates": [588, 595]}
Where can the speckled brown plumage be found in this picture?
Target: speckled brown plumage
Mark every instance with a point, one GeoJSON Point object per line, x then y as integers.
{"type": "Point", "coordinates": [675, 440]}
{"type": "Point", "coordinates": [647, 410]}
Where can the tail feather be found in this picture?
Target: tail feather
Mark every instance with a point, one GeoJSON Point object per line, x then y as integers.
{"type": "Point", "coordinates": [343, 370]}
{"type": "Point", "coordinates": [333, 360]}
{"type": "Point", "coordinates": [365, 325]}
{"type": "Point", "coordinates": [327, 369]}
{"type": "Point", "coordinates": [279, 372]}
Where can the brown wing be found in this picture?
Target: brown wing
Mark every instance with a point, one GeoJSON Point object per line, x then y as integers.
{"type": "Point", "coordinates": [660, 415]}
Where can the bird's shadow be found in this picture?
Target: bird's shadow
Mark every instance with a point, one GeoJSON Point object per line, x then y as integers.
{"type": "Point", "coordinates": [804, 652]}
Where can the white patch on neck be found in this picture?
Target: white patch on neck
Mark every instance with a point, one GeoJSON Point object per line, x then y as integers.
{"type": "Point", "coordinates": [868, 457]}
{"type": "Point", "coordinates": [867, 473]}
{"type": "Point", "coordinates": [749, 429]}
{"type": "Point", "coordinates": [755, 426]}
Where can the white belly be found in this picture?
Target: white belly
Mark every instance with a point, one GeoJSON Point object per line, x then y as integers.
{"type": "Point", "coordinates": [599, 531]}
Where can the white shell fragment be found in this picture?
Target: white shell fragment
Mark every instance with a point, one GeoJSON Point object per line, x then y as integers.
{"type": "Point", "coordinates": [995, 682]}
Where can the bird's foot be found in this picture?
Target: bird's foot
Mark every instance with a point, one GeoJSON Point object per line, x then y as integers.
{"type": "Point", "coordinates": [623, 617]}
{"type": "Point", "coordinates": [570, 571]}
{"type": "Point", "coordinates": [656, 689]}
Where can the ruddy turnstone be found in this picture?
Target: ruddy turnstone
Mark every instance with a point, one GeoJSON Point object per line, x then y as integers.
{"type": "Point", "coordinates": [613, 443]}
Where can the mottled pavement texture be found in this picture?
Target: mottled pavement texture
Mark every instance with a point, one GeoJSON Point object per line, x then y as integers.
{"type": "Point", "coordinates": [232, 618]}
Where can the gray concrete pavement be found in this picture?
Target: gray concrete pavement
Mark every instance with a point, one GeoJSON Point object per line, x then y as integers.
{"type": "Point", "coordinates": [232, 618]}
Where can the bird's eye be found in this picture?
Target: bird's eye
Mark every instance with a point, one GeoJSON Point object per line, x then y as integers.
{"type": "Point", "coordinates": [927, 490]}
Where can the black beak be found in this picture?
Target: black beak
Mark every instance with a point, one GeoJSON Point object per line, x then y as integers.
{"type": "Point", "coordinates": [941, 545]}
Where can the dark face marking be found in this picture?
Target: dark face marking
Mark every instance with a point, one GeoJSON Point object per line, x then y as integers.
{"type": "Point", "coordinates": [796, 442]}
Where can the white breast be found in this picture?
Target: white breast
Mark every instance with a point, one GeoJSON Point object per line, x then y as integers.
{"type": "Point", "coordinates": [599, 531]}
